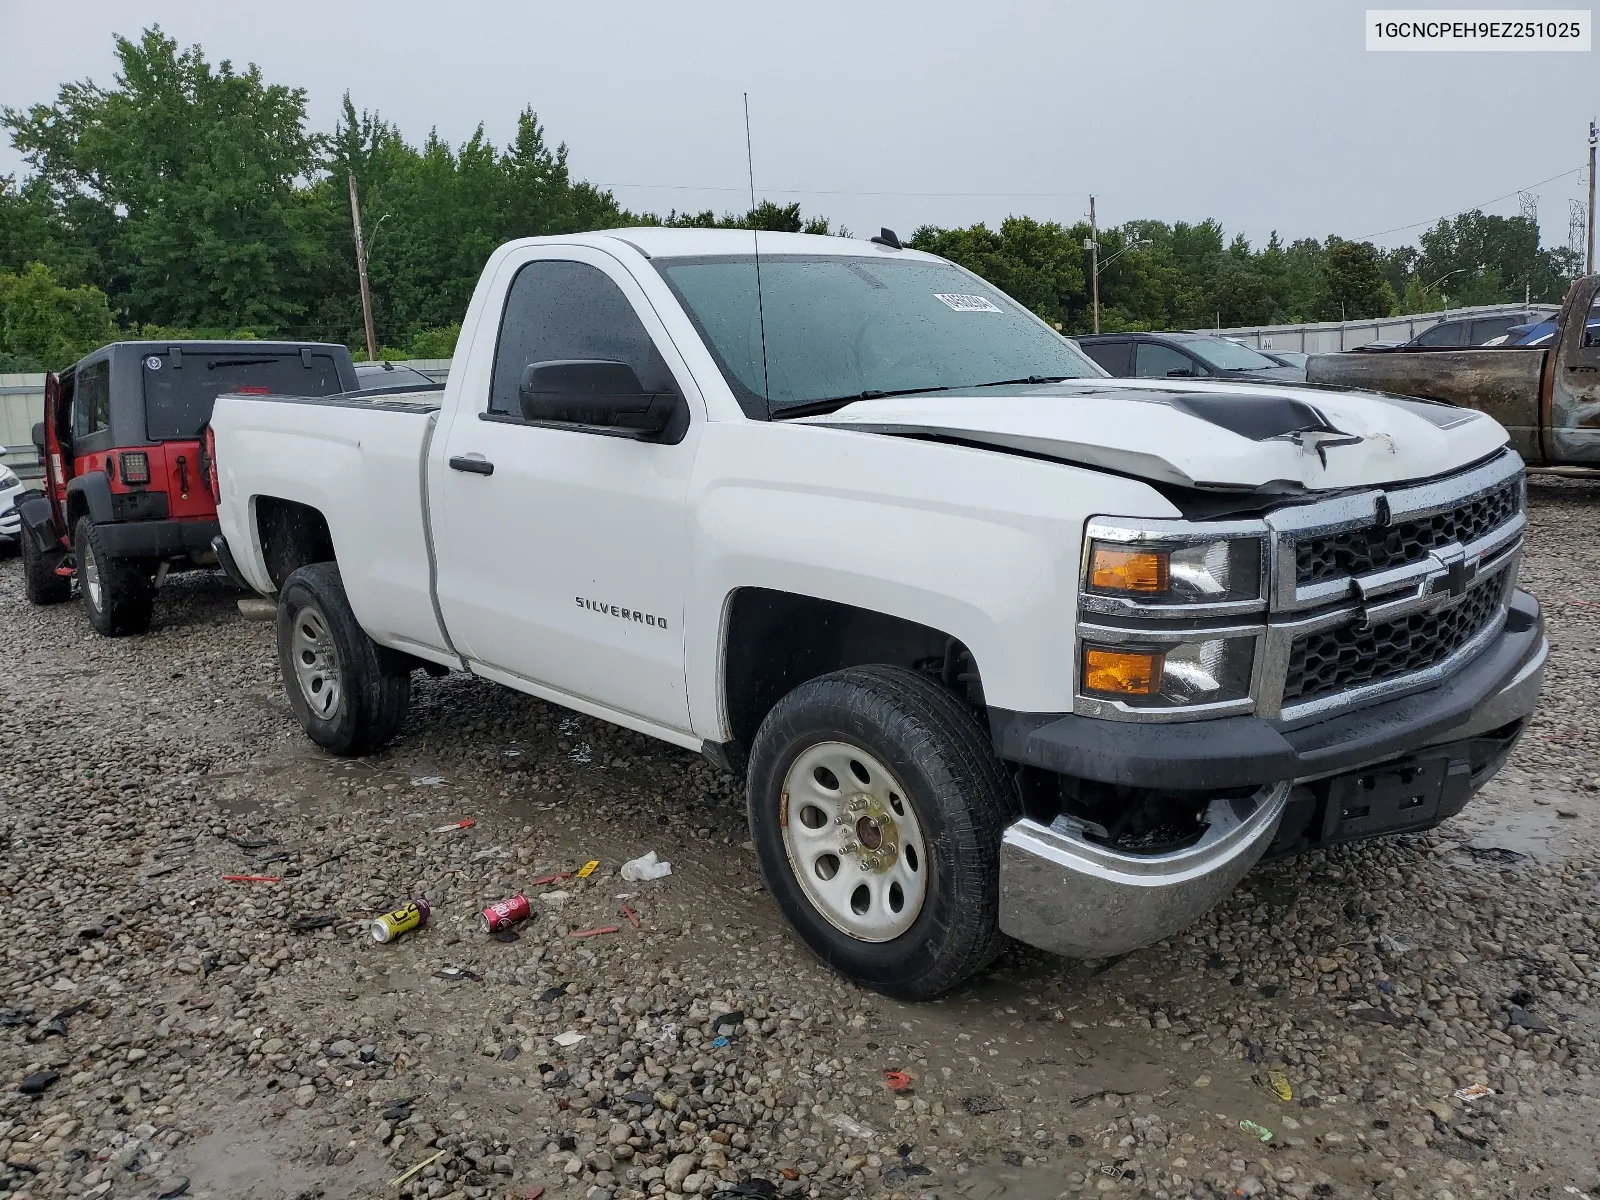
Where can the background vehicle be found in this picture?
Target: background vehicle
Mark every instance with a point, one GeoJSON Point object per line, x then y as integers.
{"type": "Point", "coordinates": [1182, 356]}
{"type": "Point", "coordinates": [1001, 645]}
{"type": "Point", "coordinates": [1466, 331]}
{"type": "Point", "coordinates": [10, 519]}
{"type": "Point", "coordinates": [1548, 400]}
{"type": "Point", "coordinates": [122, 441]}
{"type": "Point", "coordinates": [382, 376]}
{"type": "Point", "coordinates": [1286, 358]}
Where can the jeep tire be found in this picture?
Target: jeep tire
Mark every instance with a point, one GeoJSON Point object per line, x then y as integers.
{"type": "Point", "coordinates": [877, 806]}
{"type": "Point", "coordinates": [349, 694]}
{"type": "Point", "coordinates": [118, 593]}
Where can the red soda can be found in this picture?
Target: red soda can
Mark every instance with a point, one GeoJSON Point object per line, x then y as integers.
{"type": "Point", "coordinates": [503, 914]}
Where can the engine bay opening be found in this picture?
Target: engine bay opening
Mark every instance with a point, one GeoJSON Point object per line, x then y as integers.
{"type": "Point", "coordinates": [1131, 820]}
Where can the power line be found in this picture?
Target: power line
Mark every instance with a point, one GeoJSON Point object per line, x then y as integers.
{"type": "Point", "coordinates": [1469, 208]}
{"type": "Point", "coordinates": [685, 187]}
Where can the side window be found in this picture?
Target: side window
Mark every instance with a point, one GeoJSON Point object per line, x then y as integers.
{"type": "Point", "coordinates": [91, 405]}
{"type": "Point", "coordinates": [1155, 361]}
{"type": "Point", "coordinates": [568, 310]}
{"type": "Point", "coordinates": [1451, 333]}
{"type": "Point", "coordinates": [1591, 329]}
{"type": "Point", "coordinates": [1486, 330]}
{"type": "Point", "coordinates": [1116, 357]}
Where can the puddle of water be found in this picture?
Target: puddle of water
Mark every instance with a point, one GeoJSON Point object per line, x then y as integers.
{"type": "Point", "coordinates": [1530, 833]}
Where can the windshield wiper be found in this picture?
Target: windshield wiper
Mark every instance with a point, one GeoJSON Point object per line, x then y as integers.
{"type": "Point", "coordinates": [811, 408]}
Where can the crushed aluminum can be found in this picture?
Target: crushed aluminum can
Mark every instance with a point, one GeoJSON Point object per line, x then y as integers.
{"type": "Point", "coordinates": [402, 920]}
{"type": "Point", "coordinates": [503, 914]}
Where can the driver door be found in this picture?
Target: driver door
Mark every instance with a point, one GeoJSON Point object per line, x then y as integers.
{"type": "Point", "coordinates": [563, 550]}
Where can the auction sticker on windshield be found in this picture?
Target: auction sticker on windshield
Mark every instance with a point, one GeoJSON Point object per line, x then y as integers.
{"type": "Point", "coordinates": [965, 303]}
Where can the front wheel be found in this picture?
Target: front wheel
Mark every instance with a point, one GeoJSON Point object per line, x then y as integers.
{"type": "Point", "coordinates": [118, 593]}
{"type": "Point", "coordinates": [349, 693]}
{"type": "Point", "coordinates": [877, 807]}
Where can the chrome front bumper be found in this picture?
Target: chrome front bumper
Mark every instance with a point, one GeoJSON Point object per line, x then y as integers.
{"type": "Point", "coordinates": [1063, 893]}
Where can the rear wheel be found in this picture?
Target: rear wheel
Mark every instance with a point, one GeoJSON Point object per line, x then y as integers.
{"type": "Point", "coordinates": [349, 693]}
{"type": "Point", "coordinates": [39, 577]}
{"type": "Point", "coordinates": [118, 593]}
{"type": "Point", "coordinates": [877, 806]}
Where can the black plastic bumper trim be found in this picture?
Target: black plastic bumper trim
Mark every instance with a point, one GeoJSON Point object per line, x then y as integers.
{"type": "Point", "coordinates": [156, 539]}
{"type": "Point", "coordinates": [1233, 752]}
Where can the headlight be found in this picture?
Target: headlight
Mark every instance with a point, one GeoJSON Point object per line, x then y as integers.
{"type": "Point", "coordinates": [1205, 671]}
{"type": "Point", "coordinates": [8, 478]}
{"type": "Point", "coordinates": [1201, 573]}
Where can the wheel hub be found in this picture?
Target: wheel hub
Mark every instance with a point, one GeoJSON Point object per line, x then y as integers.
{"type": "Point", "coordinates": [854, 841]}
{"type": "Point", "coordinates": [316, 663]}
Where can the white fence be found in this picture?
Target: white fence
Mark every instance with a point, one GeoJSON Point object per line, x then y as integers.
{"type": "Point", "coordinates": [1330, 337]}
{"type": "Point", "coordinates": [22, 404]}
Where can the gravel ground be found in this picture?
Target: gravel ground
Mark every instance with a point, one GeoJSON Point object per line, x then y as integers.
{"type": "Point", "coordinates": [166, 1032]}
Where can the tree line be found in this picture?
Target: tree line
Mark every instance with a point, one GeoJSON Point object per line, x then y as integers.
{"type": "Point", "coordinates": [193, 199]}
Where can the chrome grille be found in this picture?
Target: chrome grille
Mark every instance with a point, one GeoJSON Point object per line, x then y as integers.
{"type": "Point", "coordinates": [1361, 551]}
{"type": "Point", "coordinates": [1351, 656]}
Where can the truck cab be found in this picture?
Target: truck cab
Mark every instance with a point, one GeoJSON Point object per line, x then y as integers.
{"type": "Point", "coordinates": [124, 448]}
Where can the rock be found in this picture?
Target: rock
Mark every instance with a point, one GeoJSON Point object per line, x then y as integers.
{"type": "Point", "coordinates": [678, 1170]}
{"type": "Point", "coordinates": [342, 1047]}
{"type": "Point", "coordinates": [305, 1095]}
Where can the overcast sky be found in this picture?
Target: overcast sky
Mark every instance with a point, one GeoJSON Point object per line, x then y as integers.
{"type": "Point", "coordinates": [1263, 115]}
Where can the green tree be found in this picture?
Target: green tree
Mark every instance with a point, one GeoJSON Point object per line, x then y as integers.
{"type": "Point", "coordinates": [188, 173]}
{"type": "Point", "coordinates": [44, 326]}
{"type": "Point", "coordinates": [1355, 284]}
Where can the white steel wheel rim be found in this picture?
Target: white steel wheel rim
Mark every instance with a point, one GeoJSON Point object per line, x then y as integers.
{"type": "Point", "coordinates": [91, 577]}
{"type": "Point", "coordinates": [316, 663]}
{"type": "Point", "coordinates": [854, 842]}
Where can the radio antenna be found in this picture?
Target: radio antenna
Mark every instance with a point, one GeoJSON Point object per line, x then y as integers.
{"type": "Point", "coordinates": [755, 238]}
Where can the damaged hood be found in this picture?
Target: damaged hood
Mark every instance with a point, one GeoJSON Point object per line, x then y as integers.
{"type": "Point", "coordinates": [1223, 436]}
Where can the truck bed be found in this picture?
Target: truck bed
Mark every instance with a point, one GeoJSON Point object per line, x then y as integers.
{"type": "Point", "coordinates": [358, 460]}
{"type": "Point", "coordinates": [1502, 383]}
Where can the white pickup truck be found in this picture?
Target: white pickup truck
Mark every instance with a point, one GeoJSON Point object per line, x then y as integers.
{"type": "Point", "coordinates": [1004, 647]}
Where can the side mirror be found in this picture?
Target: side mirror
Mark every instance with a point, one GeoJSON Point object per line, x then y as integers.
{"type": "Point", "coordinates": [597, 393]}
{"type": "Point", "coordinates": [38, 435]}
{"type": "Point", "coordinates": [1180, 373]}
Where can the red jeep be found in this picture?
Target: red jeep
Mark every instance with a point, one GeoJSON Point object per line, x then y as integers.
{"type": "Point", "coordinates": [127, 491]}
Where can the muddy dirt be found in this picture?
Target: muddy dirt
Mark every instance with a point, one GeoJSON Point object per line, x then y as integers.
{"type": "Point", "coordinates": [1309, 1038]}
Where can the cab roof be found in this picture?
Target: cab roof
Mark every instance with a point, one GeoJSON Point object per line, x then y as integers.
{"type": "Point", "coordinates": [655, 241]}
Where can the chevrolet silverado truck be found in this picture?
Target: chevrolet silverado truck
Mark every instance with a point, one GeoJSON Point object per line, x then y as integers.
{"type": "Point", "coordinates": [123, 444]}
{"type": "Point", "coordinates": [1003, 647]}
{"type": "Point", "coordinates": [1547, 395]}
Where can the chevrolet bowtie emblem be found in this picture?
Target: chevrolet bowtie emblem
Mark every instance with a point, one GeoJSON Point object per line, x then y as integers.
{"type": "Point", "coordinates": [1459, 575]}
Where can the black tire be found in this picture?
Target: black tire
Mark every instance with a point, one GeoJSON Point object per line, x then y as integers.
{"type": "Point", "coordinates": [373, 683]}
{"type": "Point", "coordinates": [39, 578]}
{"type": "Point", "coordinates": [935, 748]}
{"type": "Point", "coordinates": [118, 593]}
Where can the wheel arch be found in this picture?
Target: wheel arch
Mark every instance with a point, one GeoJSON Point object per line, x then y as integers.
{"type": "Point", "coordinates": [773, 641]}
{"type": "Point", "coordinates": [289, 534]}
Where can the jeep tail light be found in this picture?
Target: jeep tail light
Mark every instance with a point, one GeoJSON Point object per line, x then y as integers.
{"type": "Point", "coordinates": [135, 466]}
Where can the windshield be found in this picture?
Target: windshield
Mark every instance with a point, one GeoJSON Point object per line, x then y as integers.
{"type": "Point", "coordinates": [1224, 355]}
{"type": "Point", "coordinates": [839, 326]}
{"type": "Point", "coordinates": [181, 390]}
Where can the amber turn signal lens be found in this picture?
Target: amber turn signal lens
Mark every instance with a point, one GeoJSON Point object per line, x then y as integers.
{"type": "Point", "coordinates": [1121, 672]}
{"type": "Point", "coordinates": [1114, 569]}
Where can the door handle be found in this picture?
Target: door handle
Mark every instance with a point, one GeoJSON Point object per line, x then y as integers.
{"type": "Point", "coordinates": [476, 466]}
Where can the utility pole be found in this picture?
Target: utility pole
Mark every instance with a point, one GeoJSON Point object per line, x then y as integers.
{"type": "Point", "coordinates": [1094, 253]}
{"type": "Point", "coordinates": [361, 267]}
{"type": "Point", "coordinates": [1594, 136]}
